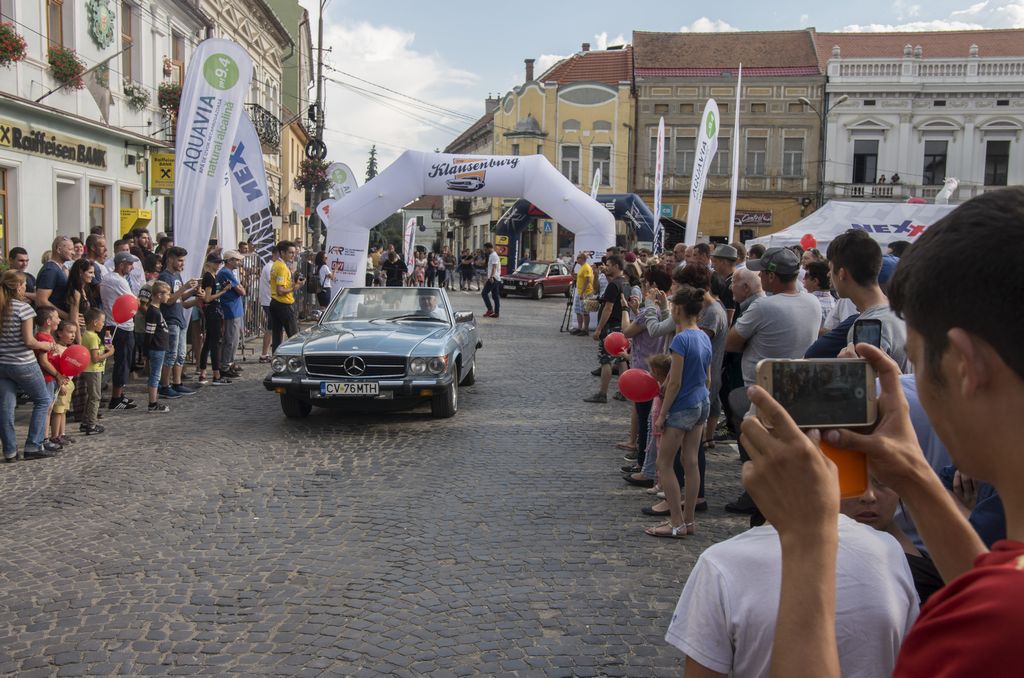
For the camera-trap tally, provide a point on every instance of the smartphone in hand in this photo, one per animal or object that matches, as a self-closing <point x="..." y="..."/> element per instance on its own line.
<point x="868" y="331"/>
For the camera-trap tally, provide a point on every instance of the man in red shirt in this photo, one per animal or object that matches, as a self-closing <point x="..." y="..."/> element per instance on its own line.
<point x="966" y="346"/>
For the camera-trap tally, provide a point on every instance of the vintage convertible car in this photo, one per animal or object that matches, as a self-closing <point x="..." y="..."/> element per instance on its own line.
<point x="376" y="344"/>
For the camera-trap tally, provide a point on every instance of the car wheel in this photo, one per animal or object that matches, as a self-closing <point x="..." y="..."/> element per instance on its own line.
<point x="568" y="293"/>
<point x="446" y="403"/>
<point x="538" y="292"/>
<point x="503" y="293"/>
<point x="294" y="408"/>
<point x="470" y="377"/>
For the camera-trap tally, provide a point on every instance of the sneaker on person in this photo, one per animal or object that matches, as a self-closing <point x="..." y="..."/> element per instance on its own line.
<point x="222" y="381"/>
<point x="121" y="403"/>
<point x="597" y="398"/>
<point x="488" y="314"/>
<point x="202" y="378"/>
<point x="232" y="373"/>
<point x="181" y="389"/>
<point x="91" y="429"/>
<point x="157" y="407"/>
<point x="52" y="445"/>
<point x="168" y="392"/>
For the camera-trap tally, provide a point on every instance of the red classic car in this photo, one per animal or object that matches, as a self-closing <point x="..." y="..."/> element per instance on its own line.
<point x="537" y="278"/>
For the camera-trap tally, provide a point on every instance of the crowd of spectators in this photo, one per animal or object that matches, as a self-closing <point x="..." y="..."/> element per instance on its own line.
<point x="71" y="300"/>
<point x="700" y="318"/>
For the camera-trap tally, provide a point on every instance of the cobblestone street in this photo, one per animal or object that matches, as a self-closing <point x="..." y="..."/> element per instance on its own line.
<point x="223" y="538"/>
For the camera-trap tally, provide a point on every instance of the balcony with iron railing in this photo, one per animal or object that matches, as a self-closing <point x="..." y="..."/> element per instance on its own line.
<point x="268" y="127"/>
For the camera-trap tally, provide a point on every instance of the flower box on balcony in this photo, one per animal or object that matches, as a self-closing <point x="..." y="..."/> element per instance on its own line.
<point x="66" y="68"/>
<point x="12" y="45"/>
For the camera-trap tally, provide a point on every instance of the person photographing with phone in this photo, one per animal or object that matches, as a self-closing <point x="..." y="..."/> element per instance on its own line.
<point x="213" y="314"/>
<point x="964" y="344"/>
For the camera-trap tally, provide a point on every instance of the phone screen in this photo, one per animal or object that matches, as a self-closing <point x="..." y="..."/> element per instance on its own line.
<point x="822" y="394"/>
<point x="868" y="331"/>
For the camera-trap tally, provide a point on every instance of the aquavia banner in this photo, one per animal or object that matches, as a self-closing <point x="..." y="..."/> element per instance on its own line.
<point x="343" y="181"/>
<point x="659" y="177"/>
<point x="707" y="144"/>
<point x="216" y="83"/>
<point x="249" y="193"/>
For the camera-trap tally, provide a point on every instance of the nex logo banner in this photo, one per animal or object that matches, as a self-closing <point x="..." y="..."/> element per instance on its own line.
<point x="908" y="228"/>
<point x="243" y="175"/>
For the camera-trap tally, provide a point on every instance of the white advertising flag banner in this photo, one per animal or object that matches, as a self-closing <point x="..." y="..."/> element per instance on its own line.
<point x="707" y="144"/>
<point x="249" y="192"/>
<point x="659" y="175"/>
<point x="347" y="257"/>
<point x="343" y="181"/>
<point x="410" y="243"/>
<point x="227" y="239"/>
<point x="216" y="83"/>
<point x="416" y="173"/>
<point x="596" y="184"/>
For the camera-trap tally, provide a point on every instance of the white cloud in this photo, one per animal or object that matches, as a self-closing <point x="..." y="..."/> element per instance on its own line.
<point x="980" y="15"/>
<point x="601" y="40"/>
<point x="389" y="56"/>
<point x="805" y="20"/>
<point x="706" y="25"/>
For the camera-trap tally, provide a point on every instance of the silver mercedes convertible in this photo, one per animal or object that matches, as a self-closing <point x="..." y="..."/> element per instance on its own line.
<point x="378" y="345"/>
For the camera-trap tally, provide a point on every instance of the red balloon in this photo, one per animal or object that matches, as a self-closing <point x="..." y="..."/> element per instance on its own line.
<point x="124" y="308"/>
<point x="638" y="385"/>
<point x="615" y="343"/>
<point x="73" y="361"/>
<point x="808" y="241"/>
<point x="917" y="201"/>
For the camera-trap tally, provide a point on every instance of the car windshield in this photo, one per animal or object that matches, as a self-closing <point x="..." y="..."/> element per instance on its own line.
<point x="387" y="303"/>
<point x="533" y="268"/>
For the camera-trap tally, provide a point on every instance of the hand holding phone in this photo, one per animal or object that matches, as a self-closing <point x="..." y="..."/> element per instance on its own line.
<point x="868" y="331"/>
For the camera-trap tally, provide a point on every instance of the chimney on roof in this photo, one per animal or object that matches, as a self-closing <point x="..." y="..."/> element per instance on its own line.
<point x="918" y="52"/>
<point x="490" y="103"/>
<point x="974" y="51"/>
<point x="529" y="69"/>
<point x="586" y="47"/>
<point x="908" y="50"/>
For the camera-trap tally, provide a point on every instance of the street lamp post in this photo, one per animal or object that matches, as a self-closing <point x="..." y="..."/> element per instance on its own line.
<point x="822" y="117"/>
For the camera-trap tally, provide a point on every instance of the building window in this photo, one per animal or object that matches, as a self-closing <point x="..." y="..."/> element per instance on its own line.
<point x="4" y="227"/>
<point x="997" y="162"/>
<point x="934" y="172"/>
<point x="757" y="156"/>
<point x="571" y="125"/>
<point x="177" y="59"/>
<point x="602" y="126"/>
<point x="865" y="161"/>
<point x="540" y="149"/>
<point x="601" y="159"/>
<point x="126" y="41"/>
<point x="723" y="107"/>
<point x="686" y="109"/>
<point x="795" y="107"/>
<point x="654" y="149"/>
<point x="1002" y="102"/>
<point x="127" y="199"/>
<point x="686" y="148"/>
<point x="55" y="22"/>
<point x="869" y="102"/>
<point x="571" y="163"/>
<point x="758" y="108"/>
<point x="97" y="206"/>
<point x="661" y="109"/>
<point x="515" y="149"/>
<point x="939" y="103"/>
<point x="721" y="166"/>
<point x="793" y="157"/>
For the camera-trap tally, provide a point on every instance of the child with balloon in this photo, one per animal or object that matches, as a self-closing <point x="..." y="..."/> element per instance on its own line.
<point x="47" y="322"/>
<point x="65" y="338"/>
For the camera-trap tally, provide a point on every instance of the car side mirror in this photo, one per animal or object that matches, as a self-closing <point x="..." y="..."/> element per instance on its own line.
<point x="463" y="316"/>
<point x="317" y="314"/>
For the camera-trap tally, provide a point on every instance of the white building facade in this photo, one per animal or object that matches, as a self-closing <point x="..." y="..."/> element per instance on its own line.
<point x="925" y="107"/>
<point x="79" y="159"/>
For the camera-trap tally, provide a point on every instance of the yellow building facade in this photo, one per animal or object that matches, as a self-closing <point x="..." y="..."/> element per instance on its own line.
<point x="578" y="115"/>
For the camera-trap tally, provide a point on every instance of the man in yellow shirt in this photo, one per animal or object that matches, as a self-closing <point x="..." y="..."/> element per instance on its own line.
<point x="584" y="287"/>
<point x="282" y="293"/>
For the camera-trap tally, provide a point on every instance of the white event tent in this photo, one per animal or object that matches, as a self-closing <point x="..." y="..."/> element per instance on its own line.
<point x="884" y="221"/>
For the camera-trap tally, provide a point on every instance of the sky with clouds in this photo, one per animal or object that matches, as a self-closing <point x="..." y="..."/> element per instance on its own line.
<point x="440" y="60"/>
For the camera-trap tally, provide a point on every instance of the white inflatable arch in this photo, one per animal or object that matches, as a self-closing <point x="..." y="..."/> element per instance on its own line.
<point x="416" y="173"/>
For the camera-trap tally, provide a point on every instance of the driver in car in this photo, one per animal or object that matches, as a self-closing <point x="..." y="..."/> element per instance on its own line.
<point x="429" y="306"/>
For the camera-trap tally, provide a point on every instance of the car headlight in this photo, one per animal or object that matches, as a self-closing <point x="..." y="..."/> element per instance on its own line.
<point x="418" y="365"/>
<point x="437" y="365"/>
<point x="278" y="364"/>
<point x="295" y="364"/>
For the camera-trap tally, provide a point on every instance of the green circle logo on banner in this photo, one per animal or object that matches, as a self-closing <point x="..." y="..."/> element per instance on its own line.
<point x="339" y="176"/>
<point x="220" y="71"/>
<point x="711" y="125"/>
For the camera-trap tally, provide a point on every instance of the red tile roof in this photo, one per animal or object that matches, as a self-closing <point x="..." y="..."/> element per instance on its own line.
<point x="610" y="66"/>
<point x="717" y="52"/>
<point x="426" y="202"/>
<point x="934" y="45"/>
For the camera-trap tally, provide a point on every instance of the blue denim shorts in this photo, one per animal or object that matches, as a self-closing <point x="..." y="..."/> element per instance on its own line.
<point x="156" y="363"/>
<point x="689" y="418"/>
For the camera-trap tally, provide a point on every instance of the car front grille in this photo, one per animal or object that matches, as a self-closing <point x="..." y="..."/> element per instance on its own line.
<point x="339" y="366"/>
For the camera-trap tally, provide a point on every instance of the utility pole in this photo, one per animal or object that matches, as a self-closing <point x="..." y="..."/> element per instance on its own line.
<point x="316" y="149"/>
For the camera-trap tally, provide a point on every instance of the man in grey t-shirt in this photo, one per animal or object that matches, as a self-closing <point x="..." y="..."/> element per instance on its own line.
<point x="854" y="261"/>
<point x="781" y="325"/>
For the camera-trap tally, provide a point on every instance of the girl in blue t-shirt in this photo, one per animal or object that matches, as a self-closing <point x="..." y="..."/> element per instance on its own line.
<point x="685" y="409"/>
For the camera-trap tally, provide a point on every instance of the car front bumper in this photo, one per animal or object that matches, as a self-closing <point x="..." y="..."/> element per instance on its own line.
<point x="308" y="388"/>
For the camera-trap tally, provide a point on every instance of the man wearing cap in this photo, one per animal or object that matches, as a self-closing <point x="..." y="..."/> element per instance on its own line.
<point x="232" y="305"/>
<point x="113" y="286"/>
<point x="781" y="325"/>
<point x="723" y="261"/>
